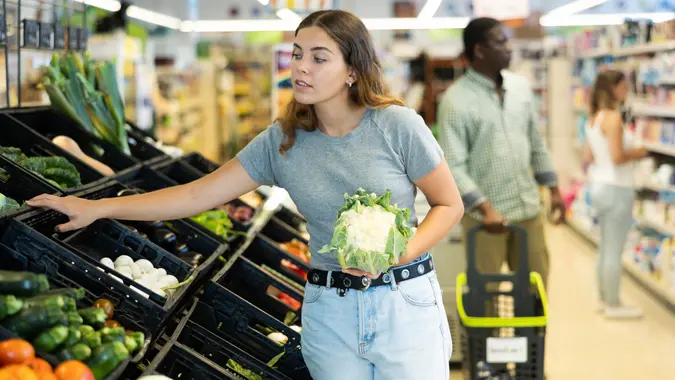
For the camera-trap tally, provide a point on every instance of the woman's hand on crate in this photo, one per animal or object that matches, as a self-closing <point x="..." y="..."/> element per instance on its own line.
<point x="81" y="212"/>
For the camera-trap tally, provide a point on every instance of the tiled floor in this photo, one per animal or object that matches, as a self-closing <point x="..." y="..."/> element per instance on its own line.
<point x="581" y="344"/>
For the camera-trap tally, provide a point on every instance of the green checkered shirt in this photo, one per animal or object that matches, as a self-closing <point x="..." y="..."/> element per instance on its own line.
<point x="495" y="151"/>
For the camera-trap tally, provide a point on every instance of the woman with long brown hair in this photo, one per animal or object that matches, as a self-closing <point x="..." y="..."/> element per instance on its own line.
<point x="341" y="132"/>
<point x="612" y="150"/>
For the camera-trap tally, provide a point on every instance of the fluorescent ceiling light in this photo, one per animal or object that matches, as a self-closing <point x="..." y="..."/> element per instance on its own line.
<point x="108" y="5"/>
<point x="288" y="15"/>
<point x="574" y="7"/>
<point x="412" y="23"/>
<point x="603" y="19"/>
<point x="429" y="9"/>
<point x="153" y="17"/>
<point x="264" y="2"/>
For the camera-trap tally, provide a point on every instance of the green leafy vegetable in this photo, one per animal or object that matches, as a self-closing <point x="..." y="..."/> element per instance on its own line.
<point x="370" y="233"/>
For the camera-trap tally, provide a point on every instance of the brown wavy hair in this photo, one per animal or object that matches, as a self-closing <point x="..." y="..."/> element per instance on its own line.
<point x="356" y="46"/>
<point x="602" y="96"/>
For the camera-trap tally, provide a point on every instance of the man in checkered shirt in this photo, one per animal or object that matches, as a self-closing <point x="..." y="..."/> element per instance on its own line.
<point x="488" y="133"/>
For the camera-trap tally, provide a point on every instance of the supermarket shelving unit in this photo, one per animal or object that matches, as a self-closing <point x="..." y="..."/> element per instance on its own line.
<point x="662" y="285"/>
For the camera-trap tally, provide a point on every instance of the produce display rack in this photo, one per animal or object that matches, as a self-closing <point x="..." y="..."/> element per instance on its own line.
<point x="230" y="288"/>
<point x="219" y="320"/>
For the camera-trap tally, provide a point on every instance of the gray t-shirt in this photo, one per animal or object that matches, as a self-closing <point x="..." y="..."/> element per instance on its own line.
<point x="390" y="148"/>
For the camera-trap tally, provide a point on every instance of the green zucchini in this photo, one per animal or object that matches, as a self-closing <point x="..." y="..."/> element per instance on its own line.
<point x="22" y="284"/>
<point x="9" y="305"/>
<point x="105" y="358"/>
<point x="50" y="339"/>
<point x="56" y="300"/>
<point x="72" y="318"/>
<point x="93" y="316"/>
<point x="78" y="351"/>
<point x="29" y="323"/>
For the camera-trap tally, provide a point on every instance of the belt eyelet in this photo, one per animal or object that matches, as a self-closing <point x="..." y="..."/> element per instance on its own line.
<point x="365" y="281"/>
<point x="386" y="278"/>
<point x="420" y="269"/>
<point x="405" y="274"/>
<point x="315" y="277"/>
<point x="347" y="282"/>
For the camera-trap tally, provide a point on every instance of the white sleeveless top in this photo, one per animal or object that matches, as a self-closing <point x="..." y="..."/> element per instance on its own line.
<point x="604" y="170"/>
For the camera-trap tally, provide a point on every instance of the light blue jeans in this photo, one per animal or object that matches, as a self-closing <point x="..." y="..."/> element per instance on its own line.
<point x="614" y="206"/>
<point x="390" y="332"/>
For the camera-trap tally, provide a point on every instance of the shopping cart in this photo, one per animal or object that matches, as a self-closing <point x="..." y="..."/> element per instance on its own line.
<point x="503" y="318"/>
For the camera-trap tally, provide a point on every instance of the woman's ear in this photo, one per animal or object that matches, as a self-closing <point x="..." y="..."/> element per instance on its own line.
<point x="352" y="76"/>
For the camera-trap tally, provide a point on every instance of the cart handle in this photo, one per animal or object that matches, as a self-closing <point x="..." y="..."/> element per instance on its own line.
<point x="497" y="322"/>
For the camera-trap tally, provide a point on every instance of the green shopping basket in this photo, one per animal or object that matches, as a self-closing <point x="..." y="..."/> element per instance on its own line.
<point x="503" y="317"/>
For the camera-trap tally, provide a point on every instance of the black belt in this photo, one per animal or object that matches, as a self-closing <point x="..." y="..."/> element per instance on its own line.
<point x="346" y="281"/>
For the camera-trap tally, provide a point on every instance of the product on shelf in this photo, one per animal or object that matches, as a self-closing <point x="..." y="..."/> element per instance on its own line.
<point x="56" y="170"/>
<point x="87" y="92"/>
<point x="69" y="145"/>
<point x="57" y="328"/>
<point x="144" y="273"/>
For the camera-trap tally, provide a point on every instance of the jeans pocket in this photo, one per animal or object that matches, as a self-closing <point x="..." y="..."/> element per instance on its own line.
<point x="312" y="293"/>
<point x="419" y="291"/>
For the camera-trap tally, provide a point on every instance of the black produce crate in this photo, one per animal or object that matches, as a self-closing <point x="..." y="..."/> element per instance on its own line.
<point x="181" y="173"/>
<point x="50" y="124"/>
<point x="107" y="238"/>
<point x="179" y="362"/>
<point x="200" y="162"/>
<point x="32" y="143"/>
<point x="66" y="271"/>
<point x="288" y="216"/>
<point x="141" y="144"/>
<point x="149" y="179"/>
<point x="174" y="236"/>
<point x="236" y="320"/>
<point x="264" y="252"/>
<point x="279" y="231"/>
<point x="20" y="184"/>
<point x="218" y="350"/>
<point x="251" y="282"/>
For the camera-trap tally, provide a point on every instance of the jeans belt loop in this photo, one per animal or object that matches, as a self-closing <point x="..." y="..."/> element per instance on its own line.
<point x="394" y="285"/>
<point x="329" y="276"/>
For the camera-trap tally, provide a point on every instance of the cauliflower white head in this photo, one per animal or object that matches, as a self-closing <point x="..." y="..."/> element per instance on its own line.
<point x="370" y="234"/>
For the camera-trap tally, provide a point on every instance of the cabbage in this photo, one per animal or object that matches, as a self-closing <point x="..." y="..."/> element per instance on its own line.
<point x="370" y="234"/>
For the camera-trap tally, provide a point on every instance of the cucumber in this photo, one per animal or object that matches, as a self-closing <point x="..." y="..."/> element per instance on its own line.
<point x="9" y="305"/>
<point x="22" y="284"/>
<point x="72" y="318"/>
<point x="92" y="340"/>
<point x="50" y="339"/>
<point x="29" y="323"/>
<point x="79" y="352"/>
<point x="105" y="358"/>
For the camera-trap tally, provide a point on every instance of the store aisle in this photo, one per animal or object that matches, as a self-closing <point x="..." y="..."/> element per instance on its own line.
<point x="581" y="344"/>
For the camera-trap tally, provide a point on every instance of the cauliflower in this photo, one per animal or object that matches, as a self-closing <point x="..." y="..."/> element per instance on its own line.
<point x="370" y="234"/>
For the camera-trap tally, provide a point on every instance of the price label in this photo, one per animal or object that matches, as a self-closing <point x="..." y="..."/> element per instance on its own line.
<point x="59" y="37"/>
<point x="46" y="35"/>
<point x="73" y="39"/>
<point x="3" y="31"/>
<point x="82" y="37"/>
<point x="506" y="350"/>
<point x="31" y="34"/>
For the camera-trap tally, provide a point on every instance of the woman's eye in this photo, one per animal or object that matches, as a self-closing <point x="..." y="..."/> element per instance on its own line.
<point x="295" y="56"/>
<point x="319" y="60"/>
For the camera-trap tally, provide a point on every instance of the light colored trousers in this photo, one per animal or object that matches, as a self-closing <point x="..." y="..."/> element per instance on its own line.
<point x="390" y="332"/>
<point x="614" y="207"/>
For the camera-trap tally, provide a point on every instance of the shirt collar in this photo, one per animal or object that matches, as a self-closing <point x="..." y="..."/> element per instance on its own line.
<point x="484" y="81"/>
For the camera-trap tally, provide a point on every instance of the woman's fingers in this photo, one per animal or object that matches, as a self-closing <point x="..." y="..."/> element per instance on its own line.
<point x="70" y="226"/>
<point x="360" y="273"/>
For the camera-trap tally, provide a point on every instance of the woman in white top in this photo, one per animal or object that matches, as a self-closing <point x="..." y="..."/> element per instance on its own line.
<point x="611" y="148"/>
